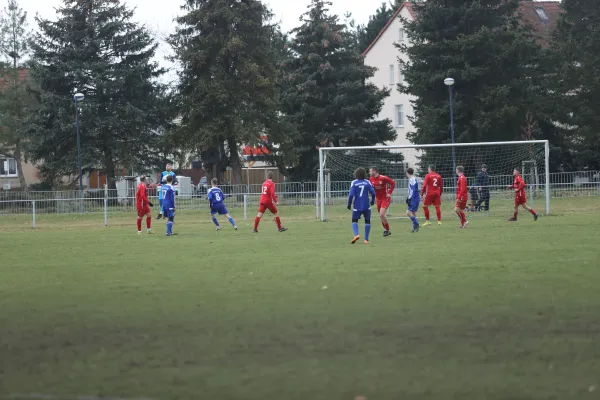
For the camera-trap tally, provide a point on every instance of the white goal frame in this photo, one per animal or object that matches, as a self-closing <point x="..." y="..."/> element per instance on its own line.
<point x="323" y="150"/>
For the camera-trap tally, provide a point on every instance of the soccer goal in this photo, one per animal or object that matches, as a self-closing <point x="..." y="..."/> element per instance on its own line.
<point x="489" y="194"/>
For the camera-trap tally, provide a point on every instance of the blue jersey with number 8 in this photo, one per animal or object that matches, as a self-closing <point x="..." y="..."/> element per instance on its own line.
<point x="360" y="189"/>
<point x="215" y="196"/>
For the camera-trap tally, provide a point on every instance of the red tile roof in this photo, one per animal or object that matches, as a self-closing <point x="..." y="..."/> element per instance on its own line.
<point x="23" y="73"/>
<point x="541" y="28"/>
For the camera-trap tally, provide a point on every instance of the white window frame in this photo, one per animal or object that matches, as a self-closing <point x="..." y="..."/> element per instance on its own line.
<point x="5" y="171"/>
<point x="399" y="115"/>
<point x="392" y="73"/>
<point x="541" y="13"/>
<point x="401" y="35"/>
<point x="400" y="74"/>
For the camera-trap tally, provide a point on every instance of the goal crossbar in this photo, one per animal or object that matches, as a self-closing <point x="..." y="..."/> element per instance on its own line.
<point x="323" y="150"/>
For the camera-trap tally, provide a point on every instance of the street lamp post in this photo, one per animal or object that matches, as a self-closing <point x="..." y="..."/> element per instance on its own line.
<point x="450" y="83"/>
<point x="78" y="97"/>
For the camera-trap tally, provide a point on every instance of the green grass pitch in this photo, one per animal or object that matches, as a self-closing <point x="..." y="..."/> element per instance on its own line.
<point x="496" y="311"/>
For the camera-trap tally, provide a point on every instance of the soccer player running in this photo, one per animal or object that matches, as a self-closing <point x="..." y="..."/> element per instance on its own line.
<point x="384" y="187"/>
<point x="360" y="189"/>
<point x="520" y="197"/>
<point x="143" y="206"/>
<point x="268" y="201"/>
<point x="163" y="180"/>
<point x="433" y="186"/>
<point x="168" y="194"/>
<point x="413" y="199"/>
<point x="215" y="200"/>
<point x="462" y="195"/>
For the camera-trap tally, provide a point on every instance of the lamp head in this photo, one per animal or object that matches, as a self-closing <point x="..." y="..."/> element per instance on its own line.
<point x="449" y="81"/>
<point x="78" y="96"/>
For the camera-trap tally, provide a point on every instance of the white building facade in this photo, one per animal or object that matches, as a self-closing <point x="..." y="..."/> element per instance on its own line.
<point x="384" y="55"/>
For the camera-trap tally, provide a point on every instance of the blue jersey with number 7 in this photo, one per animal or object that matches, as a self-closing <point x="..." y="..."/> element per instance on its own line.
<point x="360" y="189"/>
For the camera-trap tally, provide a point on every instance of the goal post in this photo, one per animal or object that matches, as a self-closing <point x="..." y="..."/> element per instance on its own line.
<point x="337" y="165"/>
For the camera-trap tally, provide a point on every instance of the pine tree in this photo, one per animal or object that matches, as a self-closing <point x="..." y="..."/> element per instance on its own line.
<point x="367" y="33"/>
<point x="494" y="60"/>
<point x="14" y="97"/>
<point x="227" y="89"/>
<point x="576" y="50"/>
<point x="94" y="48"/>
<point x="326" y="93"/>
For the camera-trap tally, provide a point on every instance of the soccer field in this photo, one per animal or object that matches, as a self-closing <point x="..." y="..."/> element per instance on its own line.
<point x="496" y="311"/>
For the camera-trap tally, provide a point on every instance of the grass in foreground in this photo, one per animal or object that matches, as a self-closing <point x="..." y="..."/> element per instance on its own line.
<point x="497" y="311"/>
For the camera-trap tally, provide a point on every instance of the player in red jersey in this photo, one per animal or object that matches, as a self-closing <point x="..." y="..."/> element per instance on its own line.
<point x="520" y="197"/>
<point x="268" y="201"/>
<point x="143" y="206"/>
<point x="384" y="187"/>
<point x="434" y="186"/>
<point x="462" y="195"/>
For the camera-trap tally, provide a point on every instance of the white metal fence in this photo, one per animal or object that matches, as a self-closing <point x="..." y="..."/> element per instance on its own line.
<point x="568" y="184"/>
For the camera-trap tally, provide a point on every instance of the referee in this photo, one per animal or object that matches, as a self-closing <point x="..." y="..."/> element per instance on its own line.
<point x="482" y="181"/>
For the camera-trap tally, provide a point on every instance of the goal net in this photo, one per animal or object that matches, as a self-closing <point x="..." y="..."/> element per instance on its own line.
<point x="488" y="195"/>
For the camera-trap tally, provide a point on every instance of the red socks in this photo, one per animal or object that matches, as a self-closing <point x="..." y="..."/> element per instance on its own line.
<point x="256" y="222"/>
<point x="515" y="215"/>
<point x="438" y="213"/>
<point x="532" y="212"/>
<point x="385" y="225"/>
<point x="462" y="217"/>
<point x="148" y="222"/>
<point x="426" y="211"/>
<point x="278" y="222"/>
<point x="139" y="224"/>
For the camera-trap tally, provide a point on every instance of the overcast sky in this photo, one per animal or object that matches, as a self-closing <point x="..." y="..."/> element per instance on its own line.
<point x="158" y="15"/>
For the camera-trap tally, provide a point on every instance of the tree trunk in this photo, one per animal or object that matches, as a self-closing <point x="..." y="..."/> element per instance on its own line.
<point x="234" y="158"/>
<point x="109" y="170"/>
<point x="19" y="159"/>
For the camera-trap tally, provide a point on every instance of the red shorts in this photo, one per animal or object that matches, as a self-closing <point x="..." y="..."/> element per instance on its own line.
<point x="520" y="200"/>
<point x="143" y="211"/>
<point x="267" y="206"/>
<point x="461" y="204"/>
<point x="435" y="199"/>
<point x="383" y="203"/>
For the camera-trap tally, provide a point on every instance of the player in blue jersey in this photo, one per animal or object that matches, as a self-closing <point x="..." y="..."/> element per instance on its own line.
<point x="168" y="194"/>
<point x="215" y="201"/>
<point x="360" y="189"/>
<point x="163" y="180"/>
<point x="413" y="199"/>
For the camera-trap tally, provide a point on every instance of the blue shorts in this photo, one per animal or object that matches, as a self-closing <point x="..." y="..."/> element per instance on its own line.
<point x="169" y="213"/>
<point x="358" y="214"/>
<point x="413" y="206"/>
<point x="219" y="208"/>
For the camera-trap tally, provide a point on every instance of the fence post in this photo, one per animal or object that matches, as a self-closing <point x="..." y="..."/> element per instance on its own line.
<point x="33" y="213"/>
<point x="245" y="207"/>
<point x="105" y="205"/>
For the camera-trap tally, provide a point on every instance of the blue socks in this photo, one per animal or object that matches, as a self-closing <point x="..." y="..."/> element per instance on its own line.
<point x="214" y="219"/>
<point x="415" y="221"/>
<point x="231" y="221"/>
<point x="169" y="228"/>
<point x="355" y="228"/>
<point x="367" y="231"/>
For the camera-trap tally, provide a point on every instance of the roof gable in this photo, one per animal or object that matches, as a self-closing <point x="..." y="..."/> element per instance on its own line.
<point x="528" y="10"/>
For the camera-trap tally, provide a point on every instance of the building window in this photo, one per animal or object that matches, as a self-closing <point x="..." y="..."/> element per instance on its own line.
<point x="400" y="74"/>
<point x="392" y="81"/>
<point x="401" y="35"/>
<point x="400" y="116"/>
<point x="8" y="168"/>
<point x="541" y="13"/>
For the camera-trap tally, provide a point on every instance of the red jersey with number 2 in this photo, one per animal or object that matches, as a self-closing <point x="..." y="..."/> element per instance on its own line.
<point x="383" y="186"/>
<point x="267" y="194"/>
<point x="462" y="192"/>
<point x="433" y="184"/>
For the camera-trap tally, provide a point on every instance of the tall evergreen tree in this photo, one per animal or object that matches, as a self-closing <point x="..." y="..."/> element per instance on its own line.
<point x="367" y="33"/>
<point x="227" y="88"/>
<point x="326" y="93"/>
<point x="576" y="50"/>
<point x="95" y="48"/>
<point x="494" y="60"/>
<point x="15" y="100"/>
